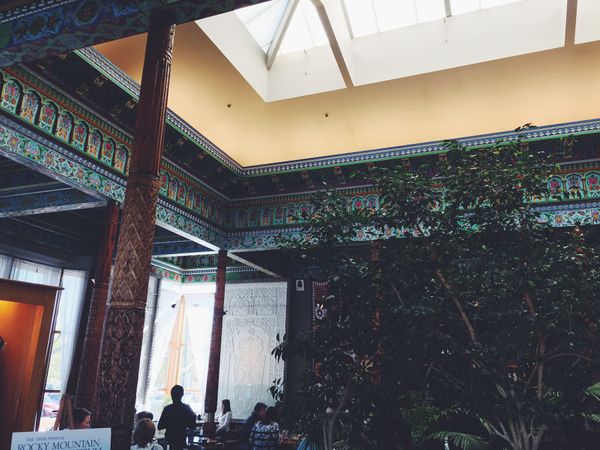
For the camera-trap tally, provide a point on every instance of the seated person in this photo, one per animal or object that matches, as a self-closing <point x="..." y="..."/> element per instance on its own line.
<point x="81" y="419"/>
<point x="257" y="414"/>
<point x="176" y="419"/>
<point x="265" y="433"/>
<point x="224" y="419"/>
<point x="143" y="415"/>
<point x="143" y="436"/>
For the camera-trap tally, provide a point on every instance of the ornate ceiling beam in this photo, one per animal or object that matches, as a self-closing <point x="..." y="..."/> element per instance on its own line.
<point x="32" y="30"/>
<point x="284" y="23"/>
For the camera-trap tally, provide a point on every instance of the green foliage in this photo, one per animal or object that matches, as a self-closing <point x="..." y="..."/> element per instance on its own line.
<point x="453" y="288"/>
<point x="461" y="440"/>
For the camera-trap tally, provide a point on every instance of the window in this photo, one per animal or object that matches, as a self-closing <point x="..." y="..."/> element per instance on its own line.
<point x="179" y="348"/>
<point x="64" y="335"/>
<point x="304" y="31"/>
<point x="367" y="17"/>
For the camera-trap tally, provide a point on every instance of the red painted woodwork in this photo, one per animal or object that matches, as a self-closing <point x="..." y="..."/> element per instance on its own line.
<point x="116" y="380"/>
<point x="91" y="348"/>
<point x="214" y="359"/>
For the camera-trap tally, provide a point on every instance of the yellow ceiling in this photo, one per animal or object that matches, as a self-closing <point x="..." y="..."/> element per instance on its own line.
<point x="550" y="87"/>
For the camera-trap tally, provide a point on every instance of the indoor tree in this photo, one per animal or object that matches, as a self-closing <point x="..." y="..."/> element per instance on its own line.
<point x="456" y="292"/>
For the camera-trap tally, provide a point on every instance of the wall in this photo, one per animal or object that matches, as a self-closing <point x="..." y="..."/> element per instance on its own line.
<point x="255" y="314"/>
<point x="549" y="87"/>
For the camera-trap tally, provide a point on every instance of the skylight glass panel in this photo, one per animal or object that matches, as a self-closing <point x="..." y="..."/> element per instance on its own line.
<point x="429" y="10"/>
<point x="261" y="20"/>
<point x="361" y="14"/>
<point x="494" y="3"/>
<point x="305" y="30"/>
<point x="464" y="6"/>
<point x="392" y="14"/>
<point x="374" y="16"/>
<point x="467" y="6"/>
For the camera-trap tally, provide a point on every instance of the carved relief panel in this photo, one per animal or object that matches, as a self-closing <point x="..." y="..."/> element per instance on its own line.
<point x="256" y="313"/>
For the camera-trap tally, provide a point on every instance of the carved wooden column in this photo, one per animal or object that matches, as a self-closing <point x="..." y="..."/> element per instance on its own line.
<point x="86" y="383"/>
<point x="214" y="359"/>
<point x="124" y="322"/>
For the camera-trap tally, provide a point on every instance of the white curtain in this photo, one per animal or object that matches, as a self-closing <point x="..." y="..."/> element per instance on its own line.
<point x="166" y="313"/>
<point x="143" y="371"/>
<point x="198" y="317"/>
<point x="5" y="263"/>
<point x="74" y="283"/>
<point x="35" y="273"/>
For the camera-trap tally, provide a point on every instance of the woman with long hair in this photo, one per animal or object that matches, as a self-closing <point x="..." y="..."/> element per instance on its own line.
<point x="265" y="434"/>
<point x="224" y="418"/>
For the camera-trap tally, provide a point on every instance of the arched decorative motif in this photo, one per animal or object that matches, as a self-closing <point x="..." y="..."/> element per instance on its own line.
<point x="304" y="212"/>
<point x="241" y="218"/>
<point x="575" y="186"/>
<point x="164" y="182"/>
<point x="265" y="216"/>
<point x="198" y="203"/>
<point x="11" y="95"/>
<point x="80" y="134"/>
<point x="358" y="203"/>
<point x="94" y="144"/>
<point x="291" y="214"/>
<point x="108" y="151"/>
<point x="48" y="115"/>
<point x="64" y="126"/>
<point x="253" y="217"/>
<point x="592" y="184"/>
<point x="181" y="192"/>
<point x="173" y="188"/>
<point x="121" y="158"/>
<point x="206" y="206"/>
<point x="555" y="188"/>
<point x="30" y="106"/>
<point x="189" y="199"/>
<point x="372" y="202"/>
<point x="279" y="216"/>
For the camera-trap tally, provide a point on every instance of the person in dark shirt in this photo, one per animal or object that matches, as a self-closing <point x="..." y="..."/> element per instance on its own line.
<point x="259" y="412"/>
<point x="176" y="419"/>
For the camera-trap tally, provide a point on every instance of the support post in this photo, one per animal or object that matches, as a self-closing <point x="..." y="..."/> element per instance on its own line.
<point x="116" y="381"/>
<point x="214" y="359"/>
<point x="86" y="383"/>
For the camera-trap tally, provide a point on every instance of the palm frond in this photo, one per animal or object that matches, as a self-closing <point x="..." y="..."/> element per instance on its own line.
<point x="594" y="390"/>
<point x="464" y="441"/>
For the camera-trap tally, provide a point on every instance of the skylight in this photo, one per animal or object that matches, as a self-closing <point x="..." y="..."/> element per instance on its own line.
<point x="367" y="17"/>
<point x="304" y="31"/>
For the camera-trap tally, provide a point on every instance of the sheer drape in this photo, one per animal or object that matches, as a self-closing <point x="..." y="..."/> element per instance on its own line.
<point x="74" y="283"/>
<point x="198" y="317"/>
<point x="166" y="312"/>
<point x="35" y="273"/>
<point x="148" y="324"/>
<point x="5" y="264"/>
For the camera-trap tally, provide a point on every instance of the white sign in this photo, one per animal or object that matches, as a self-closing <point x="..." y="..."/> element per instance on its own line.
<point x="92" y="439"/>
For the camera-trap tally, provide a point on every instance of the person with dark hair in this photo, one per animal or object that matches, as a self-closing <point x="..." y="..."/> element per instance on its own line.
<point x="143" y="415"/>
<point x="176" y="419"/>
<point x="257" y="414"/>
<point x="143" y="436"/>
<point x="224" y="419"/>
<point x="81" y="419"/>
<point x="265" y="433"/>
